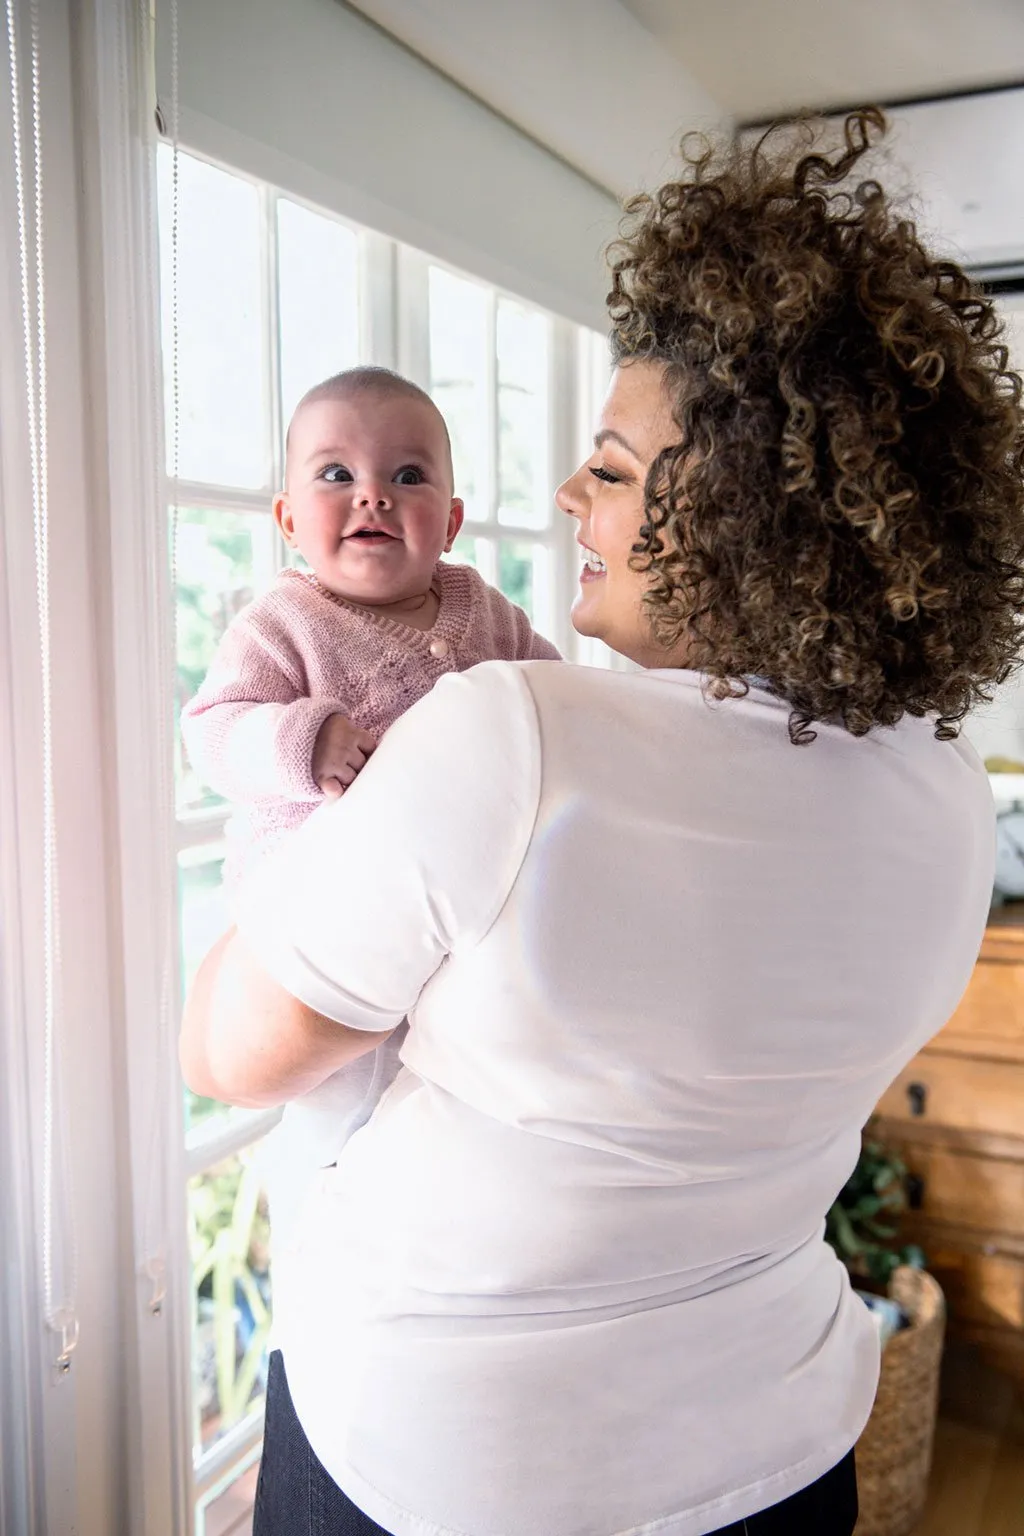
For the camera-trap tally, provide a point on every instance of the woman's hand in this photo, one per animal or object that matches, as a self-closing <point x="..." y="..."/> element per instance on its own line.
<point x="246" y="1041"/>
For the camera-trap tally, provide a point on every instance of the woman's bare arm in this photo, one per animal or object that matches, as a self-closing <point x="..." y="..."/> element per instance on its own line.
<point x="245" y="1040"/>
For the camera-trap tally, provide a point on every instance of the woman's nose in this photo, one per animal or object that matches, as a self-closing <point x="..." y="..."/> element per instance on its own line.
<point x="570" y="495"/>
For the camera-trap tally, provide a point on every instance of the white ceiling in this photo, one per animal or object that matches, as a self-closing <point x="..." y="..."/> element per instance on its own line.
<point x="761" y="57"/>
<point x="583" y="77"/>
<point x="611" y="85"/>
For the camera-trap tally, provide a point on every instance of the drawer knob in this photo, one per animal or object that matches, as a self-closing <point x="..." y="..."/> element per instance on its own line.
<point x="915" y="1191"/>
<point x="917" y="1098"/>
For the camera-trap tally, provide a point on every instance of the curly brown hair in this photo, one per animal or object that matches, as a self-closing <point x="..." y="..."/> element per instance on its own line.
<point x="844" y="513"/>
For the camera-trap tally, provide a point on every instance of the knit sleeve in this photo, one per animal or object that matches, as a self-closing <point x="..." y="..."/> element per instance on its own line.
<point x="250" y="730"/>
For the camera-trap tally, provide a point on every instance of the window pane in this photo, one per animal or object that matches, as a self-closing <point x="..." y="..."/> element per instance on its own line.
<point x="223" y="416"/>
<point x="228" y="1510"/>
<point x="202" y="918"/>
<point x="223" y="560"/>
<point x="230" y="1253"/>
<point x="524" y="492"/>
<point x="204" y="913"/>
<point x="525" y="577"/>
<point x="459" y="357"/>
<point x="515" y="574"/>
<point x="318" y="275"/>
<point x="479" y="553"/>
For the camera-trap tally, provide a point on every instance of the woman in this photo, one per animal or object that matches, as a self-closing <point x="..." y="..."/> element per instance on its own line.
<point x="663" y="938"/>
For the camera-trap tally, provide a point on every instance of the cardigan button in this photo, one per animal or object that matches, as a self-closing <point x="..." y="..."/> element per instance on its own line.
<point x="439" y="648"/>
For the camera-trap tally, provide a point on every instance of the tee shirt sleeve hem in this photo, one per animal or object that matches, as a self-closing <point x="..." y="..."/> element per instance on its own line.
<point x="297" y="974"/>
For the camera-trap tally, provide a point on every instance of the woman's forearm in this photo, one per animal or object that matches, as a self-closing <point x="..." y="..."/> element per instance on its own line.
<point x="245" y="1040"/>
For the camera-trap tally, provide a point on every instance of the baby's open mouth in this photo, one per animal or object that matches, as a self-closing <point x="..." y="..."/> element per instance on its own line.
<point x="378" y="535"/>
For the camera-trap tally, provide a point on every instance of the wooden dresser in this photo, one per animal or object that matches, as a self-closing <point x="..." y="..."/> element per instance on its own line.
<point x="956" y="1115"/>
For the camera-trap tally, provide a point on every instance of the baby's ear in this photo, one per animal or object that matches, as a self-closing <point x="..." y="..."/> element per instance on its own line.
<point x="455" y="521"/>
<point x="283" y="517"/>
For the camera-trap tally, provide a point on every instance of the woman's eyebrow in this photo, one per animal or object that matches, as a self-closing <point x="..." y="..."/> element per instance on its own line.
<point x="607" y="434"/>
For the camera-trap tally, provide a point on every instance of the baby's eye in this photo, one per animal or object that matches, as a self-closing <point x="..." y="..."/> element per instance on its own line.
<point x="335" y="474"/>
<point x="410" y="474"/>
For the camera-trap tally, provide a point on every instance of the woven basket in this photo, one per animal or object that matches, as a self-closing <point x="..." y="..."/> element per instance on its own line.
<point x="894" y="1454"/>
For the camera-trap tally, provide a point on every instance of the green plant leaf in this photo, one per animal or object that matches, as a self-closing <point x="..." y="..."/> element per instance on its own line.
<point x="846" y="1233"/>
<point x="880" y="1229"/>
<point x="881" y="1264"/>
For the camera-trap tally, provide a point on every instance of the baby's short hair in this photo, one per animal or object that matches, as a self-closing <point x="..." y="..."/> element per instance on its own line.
<point x="364" y="380"/>
<point x="368" y="379"/>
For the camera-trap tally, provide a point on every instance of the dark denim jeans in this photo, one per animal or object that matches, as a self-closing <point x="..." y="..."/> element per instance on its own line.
<point x="295" y="1496"/>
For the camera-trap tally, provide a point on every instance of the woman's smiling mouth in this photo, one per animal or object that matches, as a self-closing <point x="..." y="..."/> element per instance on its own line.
<point x="593" y="565"/>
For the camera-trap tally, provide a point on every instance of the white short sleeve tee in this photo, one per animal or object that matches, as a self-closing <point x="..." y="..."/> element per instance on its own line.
<point x="659" y="965"/>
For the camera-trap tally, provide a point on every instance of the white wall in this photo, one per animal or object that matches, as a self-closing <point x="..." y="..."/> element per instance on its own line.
<point x="583" y="76"/>
<point x="312" y="97"/>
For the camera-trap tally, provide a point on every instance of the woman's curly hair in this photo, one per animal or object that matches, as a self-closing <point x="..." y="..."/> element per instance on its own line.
<point x="844" y="513"/>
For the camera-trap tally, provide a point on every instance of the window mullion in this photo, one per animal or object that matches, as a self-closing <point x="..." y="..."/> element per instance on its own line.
<point x="201" y="829"/>
<point x="274" y="551"/>
<point x="272" y="321"/>
<point x="231" y="1133"/>
<point x="219" y="498"/>
<point x="564" y="391"/>
<point x="412" y="293"/>
<point x="378" y="300"/>
<point x="520" y="532"/>
<point x="491" y="384"/>
<point x="229" y="1457"/>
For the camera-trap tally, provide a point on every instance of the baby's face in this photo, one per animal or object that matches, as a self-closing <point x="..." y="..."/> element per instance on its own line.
<point x="369" y="500"/>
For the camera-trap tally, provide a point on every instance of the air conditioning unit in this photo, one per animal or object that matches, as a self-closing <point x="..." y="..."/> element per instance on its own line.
<point x="959" y="161"/>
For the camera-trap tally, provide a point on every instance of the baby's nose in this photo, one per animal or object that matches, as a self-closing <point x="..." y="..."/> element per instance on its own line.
<point x="374" y="494"/>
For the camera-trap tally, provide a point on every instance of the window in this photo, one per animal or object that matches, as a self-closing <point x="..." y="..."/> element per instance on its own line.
<point x="272" y="297"/>
<point x="490" y="367"/>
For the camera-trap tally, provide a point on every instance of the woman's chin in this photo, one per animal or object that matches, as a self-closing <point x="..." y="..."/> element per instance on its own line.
<point x="585" y="616"/>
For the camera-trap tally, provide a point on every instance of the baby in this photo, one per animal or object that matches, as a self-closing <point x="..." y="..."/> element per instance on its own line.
<point x="311" y="674"/>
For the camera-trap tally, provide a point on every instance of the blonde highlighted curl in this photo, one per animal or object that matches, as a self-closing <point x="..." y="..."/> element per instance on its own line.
<point x="844" y="513"/>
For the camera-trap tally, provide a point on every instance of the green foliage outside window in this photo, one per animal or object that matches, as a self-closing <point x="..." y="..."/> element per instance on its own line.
<point x="230" y="1266"/>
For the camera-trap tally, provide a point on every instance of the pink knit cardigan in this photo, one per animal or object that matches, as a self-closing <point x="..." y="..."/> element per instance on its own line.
<point x="297" y="655"/>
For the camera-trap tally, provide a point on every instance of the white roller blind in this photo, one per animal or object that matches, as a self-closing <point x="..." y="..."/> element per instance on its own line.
<point x="312" y="97"/>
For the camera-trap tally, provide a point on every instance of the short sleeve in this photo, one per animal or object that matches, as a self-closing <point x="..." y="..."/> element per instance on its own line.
<point x="360" y="906"/>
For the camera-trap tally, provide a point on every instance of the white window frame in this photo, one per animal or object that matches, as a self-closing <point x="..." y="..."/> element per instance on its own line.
<point x="394" y="332"/>
<point x="109" y="1447"/>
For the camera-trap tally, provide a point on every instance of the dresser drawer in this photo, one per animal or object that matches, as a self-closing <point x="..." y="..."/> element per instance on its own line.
<point x="973" y="1096"/>
<point x="982" y="1194"/>
<point x="981" y="1288"/>
<point x="1002" y="1348"/>
<point x="990" y="1018"/>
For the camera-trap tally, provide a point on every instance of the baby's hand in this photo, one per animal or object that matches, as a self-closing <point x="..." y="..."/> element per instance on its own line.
<point x="339" y="752"/>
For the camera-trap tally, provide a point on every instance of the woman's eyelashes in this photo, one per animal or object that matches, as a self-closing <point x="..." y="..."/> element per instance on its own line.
<point x="608" y="476"/>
